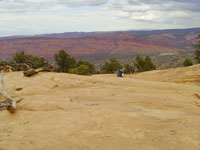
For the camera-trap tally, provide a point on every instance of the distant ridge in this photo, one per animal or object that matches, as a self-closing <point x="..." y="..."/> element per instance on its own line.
<point x="85" y="34"/>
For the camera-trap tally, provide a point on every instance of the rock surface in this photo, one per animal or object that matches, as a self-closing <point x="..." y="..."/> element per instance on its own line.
<point x="147" y="111"/>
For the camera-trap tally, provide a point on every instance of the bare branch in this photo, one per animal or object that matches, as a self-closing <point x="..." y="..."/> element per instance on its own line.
<point x="11" y="106"/>
<point x="2" y="82"/>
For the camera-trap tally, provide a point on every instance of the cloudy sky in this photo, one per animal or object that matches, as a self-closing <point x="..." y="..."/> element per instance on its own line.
<point x="25" y="17"/>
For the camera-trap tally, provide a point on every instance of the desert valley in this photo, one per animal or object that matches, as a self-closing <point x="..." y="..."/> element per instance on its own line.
<point x="102" y="45"/>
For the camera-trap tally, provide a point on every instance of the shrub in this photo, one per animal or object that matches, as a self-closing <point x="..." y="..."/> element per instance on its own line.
<point x="139" y="63"/>
<point x="111" y="66"/>
<point x="89" y="65"/>
<point x="187" y="62"/>
<point x="197" y="52"/>
<point x="83" y="70"/>
<point x="142" y="64"/>
<point x="3" y="63"/>
<point x="80" y="70"/>
<point x="22" y="62"/>
<point x="148" y="64"/>
<point x="64" y="61"/>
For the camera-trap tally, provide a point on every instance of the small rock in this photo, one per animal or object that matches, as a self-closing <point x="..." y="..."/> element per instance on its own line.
<point x="19" y="89"/>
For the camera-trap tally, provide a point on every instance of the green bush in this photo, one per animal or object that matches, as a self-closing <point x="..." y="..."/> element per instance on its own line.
<point x="3" y="63"/>
<point x="67" y="63"/>
<point x="27" y="61"/>
<point x="197" y="52"/>
<point x="89" y="65"/>
<point x="73" y="71"/>
<point x="64" y="61"/>
<point x="197" y="55"/>
<point x="187" y="62"/>
<point x="111" y="66"/>
<point x="83" y="70"/>
<point x="142" y="64"/>
<point x="20" y="57"/>
<point x="149" y="64"/>
<point x="139" y="63"/>
<point x="80" y="70"/>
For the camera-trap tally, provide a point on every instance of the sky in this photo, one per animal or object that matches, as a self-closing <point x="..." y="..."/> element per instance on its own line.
<point x="30" y="17"/>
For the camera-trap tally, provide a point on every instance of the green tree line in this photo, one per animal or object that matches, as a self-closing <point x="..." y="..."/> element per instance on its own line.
<point x="68" y="64"/>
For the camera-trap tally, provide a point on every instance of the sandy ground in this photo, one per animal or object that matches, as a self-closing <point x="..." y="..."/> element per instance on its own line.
<point x="157" y="110"/>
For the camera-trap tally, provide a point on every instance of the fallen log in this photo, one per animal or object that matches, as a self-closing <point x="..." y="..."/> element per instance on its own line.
<point x="32" y="72"/>
<point x="10" y="102"/>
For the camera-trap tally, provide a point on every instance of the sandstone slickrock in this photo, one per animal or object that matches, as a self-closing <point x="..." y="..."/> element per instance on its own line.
<point x="147" y="111"/>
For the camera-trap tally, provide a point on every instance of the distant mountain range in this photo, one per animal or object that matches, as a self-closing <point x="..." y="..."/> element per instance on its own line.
<point x="97" y="45"/>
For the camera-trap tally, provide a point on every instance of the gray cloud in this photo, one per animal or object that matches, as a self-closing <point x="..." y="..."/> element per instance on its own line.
<point x="36" y="5"/>
<point x="80" y="3"/>
<point x="47" y="16"/>
<point x="177" y="12"/>
<point x="168" y="5"/>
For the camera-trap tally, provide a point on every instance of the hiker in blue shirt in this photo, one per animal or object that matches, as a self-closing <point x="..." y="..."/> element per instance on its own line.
<point x="120" y="73"/>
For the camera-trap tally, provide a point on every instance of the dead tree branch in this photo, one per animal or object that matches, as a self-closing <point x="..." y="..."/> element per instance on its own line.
<point x="11" y="103"/>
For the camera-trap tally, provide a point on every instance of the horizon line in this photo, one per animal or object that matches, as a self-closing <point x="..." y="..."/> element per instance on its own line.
<point x="139" y="30"/>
